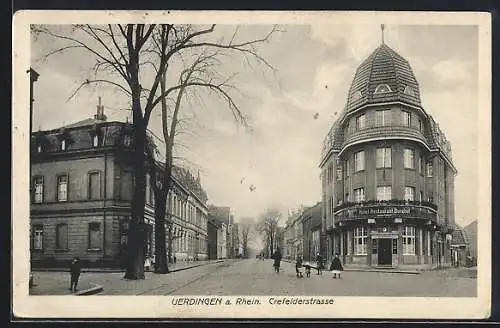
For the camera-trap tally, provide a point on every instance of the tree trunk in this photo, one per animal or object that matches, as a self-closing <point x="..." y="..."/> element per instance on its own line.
<point x="161" y="265"/>
<point x="137" y="230"/>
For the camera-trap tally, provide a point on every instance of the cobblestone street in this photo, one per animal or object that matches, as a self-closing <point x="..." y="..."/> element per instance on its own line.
<point x="255" y="277"/>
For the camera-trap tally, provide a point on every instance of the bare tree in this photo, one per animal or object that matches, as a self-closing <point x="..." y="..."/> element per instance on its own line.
<point x="246" y="228"/>
<point x="135" y="60"/>
<point x="268" y="226"/>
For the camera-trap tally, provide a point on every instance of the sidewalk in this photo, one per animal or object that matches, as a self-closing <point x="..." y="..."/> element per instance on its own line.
<point x="366" y="269"/>
<point x="56" y="282"/>
<point x="179" y="266"/>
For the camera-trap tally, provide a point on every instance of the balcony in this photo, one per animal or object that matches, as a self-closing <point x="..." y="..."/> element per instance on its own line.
<point x="384" y="132"/>
<point x="393" y="209"/>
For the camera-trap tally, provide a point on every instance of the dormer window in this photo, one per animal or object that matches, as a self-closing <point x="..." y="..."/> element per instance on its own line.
<point x="356" y="96"/>
<point x="39" y="148"/>
<point x="64" y="139"/>
<point x="127" y="140"/>
<point x="63" y="144"/>
<point x="95" y="140"/>
<point x="409" y="91"/>
<point x="382" y="88"/>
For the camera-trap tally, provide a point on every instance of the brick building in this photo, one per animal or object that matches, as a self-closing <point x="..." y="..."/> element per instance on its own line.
<point x="387" y="172"/>
<point x="81" y="192"/>
<point x="212" y="236"/>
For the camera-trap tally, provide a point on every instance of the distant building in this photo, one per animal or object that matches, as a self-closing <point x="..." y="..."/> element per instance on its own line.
<point x="214" y="226"/>
<point x="387" y="172"/>
<point x="236" y="244"/>
<point x="471" y="235"/>
<point x="81" y="192"/>
<point x="311" y="227"/>
<point x="223" y="215"/>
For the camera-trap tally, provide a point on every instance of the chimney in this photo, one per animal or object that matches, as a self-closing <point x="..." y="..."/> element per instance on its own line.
<point x="100" y="111"/>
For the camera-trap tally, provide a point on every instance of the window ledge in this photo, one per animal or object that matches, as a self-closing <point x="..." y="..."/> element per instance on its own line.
<point x="61" y="250"/>
<point x="94" y="250"/>
<point x="37" y="250"/>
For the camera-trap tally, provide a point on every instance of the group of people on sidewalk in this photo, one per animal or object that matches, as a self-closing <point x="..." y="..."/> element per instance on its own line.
<point x="336" y="267"/>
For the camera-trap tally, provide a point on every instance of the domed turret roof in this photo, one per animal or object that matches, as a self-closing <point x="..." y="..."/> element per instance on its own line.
<point x="384" y="76"/>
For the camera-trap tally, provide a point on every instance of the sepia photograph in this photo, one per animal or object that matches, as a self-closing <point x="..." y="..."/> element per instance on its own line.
<point x="275" y="164"/>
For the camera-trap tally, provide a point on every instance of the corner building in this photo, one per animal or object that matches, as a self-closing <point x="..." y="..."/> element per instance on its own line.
<point x="387" y="173"/>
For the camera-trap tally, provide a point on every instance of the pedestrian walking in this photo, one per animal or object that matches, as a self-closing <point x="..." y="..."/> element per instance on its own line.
<point x="319" y="263"/>
<point x="74" y="269"/>
<point x="298" y="266"/>
<point x="277" y="260"/>
<point x="336" y="267"/>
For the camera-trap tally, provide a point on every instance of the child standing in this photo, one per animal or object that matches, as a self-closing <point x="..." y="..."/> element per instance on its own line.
<point x="336" y="266"/>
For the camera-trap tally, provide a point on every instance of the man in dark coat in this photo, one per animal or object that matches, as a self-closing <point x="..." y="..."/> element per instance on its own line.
<point x="298" y="266"/>
<point x="336" y="266"/>
<point x="74" y="269"/>
<point x="319" y="265"/>
<point x="277" y="260"/>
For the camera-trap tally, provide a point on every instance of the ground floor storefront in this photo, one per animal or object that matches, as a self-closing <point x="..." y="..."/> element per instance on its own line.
<point x="389" y="245"/>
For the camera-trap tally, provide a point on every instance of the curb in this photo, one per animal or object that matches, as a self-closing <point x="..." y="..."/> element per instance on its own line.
<point x="194" y="266"/>
<point x="90" y="291"/>
<point x="118" y="270"/>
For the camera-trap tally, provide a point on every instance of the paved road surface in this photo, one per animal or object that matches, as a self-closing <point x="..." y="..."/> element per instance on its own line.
<point x="254" y="277"/>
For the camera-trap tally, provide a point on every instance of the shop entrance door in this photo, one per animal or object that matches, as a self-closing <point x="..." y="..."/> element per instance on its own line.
<point x="385" y="251"/>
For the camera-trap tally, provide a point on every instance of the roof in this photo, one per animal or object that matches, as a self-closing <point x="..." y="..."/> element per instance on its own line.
<point x="383" y="66"/>
<point x="85" y="122"/>
<point x="220" y="213"/>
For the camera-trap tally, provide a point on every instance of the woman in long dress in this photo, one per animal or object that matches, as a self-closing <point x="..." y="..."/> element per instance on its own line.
<point x="336" y="267"/>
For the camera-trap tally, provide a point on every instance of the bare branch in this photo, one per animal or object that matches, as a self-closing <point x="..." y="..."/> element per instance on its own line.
<point x="87" y="82"/>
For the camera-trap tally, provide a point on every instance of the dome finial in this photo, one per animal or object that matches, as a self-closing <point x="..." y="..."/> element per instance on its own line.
<point x="382" y="26"/>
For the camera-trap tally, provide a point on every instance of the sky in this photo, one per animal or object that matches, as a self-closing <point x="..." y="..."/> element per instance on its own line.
<point x="314" y="67"/>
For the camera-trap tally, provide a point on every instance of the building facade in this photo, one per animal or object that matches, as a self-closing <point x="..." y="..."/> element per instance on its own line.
<point x="213" y="234"/>
<point x="311" y="227"/>
<point x="81" y="192"/>
<point x="387" y="172"/>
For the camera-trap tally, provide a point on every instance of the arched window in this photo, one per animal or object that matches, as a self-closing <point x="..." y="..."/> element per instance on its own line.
<point x="409" y="91"/>
<point x="356" y="95"/>
<point x="382" y="88"/>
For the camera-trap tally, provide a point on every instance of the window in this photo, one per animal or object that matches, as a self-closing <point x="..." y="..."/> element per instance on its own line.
<point x="127" y="185"/>
<point x="38" y="190"/>
<point x="382" y="117"/>
<point x="421" y="164"/>
<point x="95" y="140"/>
<point x="394" y="246"/>
<point x="384" y="193"/>
<point x="347" y="168"/>
<point x="429" y="169"/>
<point x="62" y="236"/>
<point x="38" y="237"/>
<point x="406" y="118"/>
<point x="420" y="125"/>
<point x="409" y="241"/>
<point x="382" y="88"/>
<point x="360" y="237"/>
<point x="62" y="188"/>
<point x="39" y="148"/>
<point x="359" y="194"/>
<point x="409" y="158"/>
<point x="94" y="186"/>
<point x="360" y="122"/>
<point x="339" y="171"/>
<point x="63" y="144"/>
<point x="410" y="193"/>
<point x="409" y="91"/>
<point x="421" y="196"/>
<point x="374" y="246"/>
<point x="359" y="161"/>
<point x="384" y="157"/>
<point x="127" y="140"/>
<point x="95" y="235"/>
